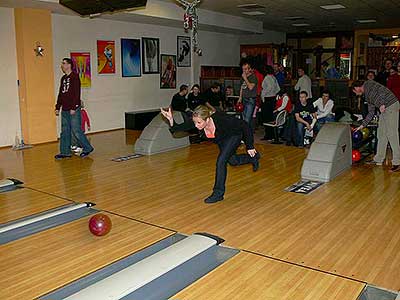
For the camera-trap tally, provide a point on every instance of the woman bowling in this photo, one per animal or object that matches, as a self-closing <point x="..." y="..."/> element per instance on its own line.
<point x="227" y="132"/>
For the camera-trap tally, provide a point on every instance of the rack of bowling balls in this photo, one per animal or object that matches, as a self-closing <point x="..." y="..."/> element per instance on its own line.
<point x="363" y="143"/>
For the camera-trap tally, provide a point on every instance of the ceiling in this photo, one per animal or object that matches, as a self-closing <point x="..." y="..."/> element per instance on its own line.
<point x="386" y="13"/>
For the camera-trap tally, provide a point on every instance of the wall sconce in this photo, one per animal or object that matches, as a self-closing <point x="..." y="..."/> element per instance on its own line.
<point x="39" y="50"/>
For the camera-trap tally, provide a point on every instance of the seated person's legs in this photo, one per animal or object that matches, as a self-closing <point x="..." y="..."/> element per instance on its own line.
<point x="300" y="128"/>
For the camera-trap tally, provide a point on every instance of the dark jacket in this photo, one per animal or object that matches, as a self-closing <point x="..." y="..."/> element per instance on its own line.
<point x="225" y="127"/>
<point x="69" y="95"/>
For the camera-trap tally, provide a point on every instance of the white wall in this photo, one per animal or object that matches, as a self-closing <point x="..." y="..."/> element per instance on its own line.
<point x="112" y="95"/>
<point x="9" y="103"/>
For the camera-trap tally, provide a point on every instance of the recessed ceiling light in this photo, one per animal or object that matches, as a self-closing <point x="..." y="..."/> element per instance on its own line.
<point x="250" y="6"/>
<point x="294" y="18"/>
<point x="253" y="13"/>
<point x="332" y="6"/>
<point x="366" y="21"/>
<point x="300" y="24"/>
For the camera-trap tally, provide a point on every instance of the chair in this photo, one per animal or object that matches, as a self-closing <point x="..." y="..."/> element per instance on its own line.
<point x="279" y="121"/>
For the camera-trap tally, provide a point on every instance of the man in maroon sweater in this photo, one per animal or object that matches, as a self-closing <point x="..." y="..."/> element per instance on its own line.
<point x="69" y="100"/>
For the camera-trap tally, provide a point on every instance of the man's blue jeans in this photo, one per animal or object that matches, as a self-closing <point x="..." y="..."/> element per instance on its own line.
<point x="300" y="129"/>
<point x="249" y="105"/>
<point x="71" y="124"/>
<point x="322" y="121"/>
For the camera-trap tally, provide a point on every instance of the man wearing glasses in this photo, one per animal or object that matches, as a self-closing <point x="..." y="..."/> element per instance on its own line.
<point x="69" y="101"/>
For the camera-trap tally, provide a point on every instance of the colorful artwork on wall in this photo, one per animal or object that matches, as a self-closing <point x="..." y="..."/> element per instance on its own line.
<point x="81" y="66"/>
<point x="130" y="58"/>
<point x="106" y="57"/>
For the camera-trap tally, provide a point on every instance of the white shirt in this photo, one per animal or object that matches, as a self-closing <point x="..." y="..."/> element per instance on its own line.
<point x="323" y="111"/>
<point x="304" y="84"/>
<point x="270" y="87"/>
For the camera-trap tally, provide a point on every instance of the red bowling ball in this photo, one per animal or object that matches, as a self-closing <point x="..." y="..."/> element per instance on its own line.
<point x="239" y="107"/>
<point x="356" y="155"/>
<point x="100" y="224"/>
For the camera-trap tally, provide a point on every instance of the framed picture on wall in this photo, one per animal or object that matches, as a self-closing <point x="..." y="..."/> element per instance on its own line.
<point x="151" y="55"/>
<point x="168" y="71"/>
<point x="106" y="57"/>
<point x="130" y="58"/>
<point x="184" y="51"/>
<point x="81" y="66"/>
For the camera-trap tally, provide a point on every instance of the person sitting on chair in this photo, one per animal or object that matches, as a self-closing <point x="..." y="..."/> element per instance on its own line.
<point x="227" y="132"/>
<point x="324" y="106"/>
<point x="306" y="117"/>
<point x="179" y="102"/>
<point x="283" y="102"/>
<point x="214" y="98"/>
<point x="195" y="98"/>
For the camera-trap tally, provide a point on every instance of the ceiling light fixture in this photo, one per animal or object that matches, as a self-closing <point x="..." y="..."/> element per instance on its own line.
<point x="300" y="24"/>
<point x="294" y="18"/>
<point x="332" y="6"/>
<point x="253" y="13"/>
<point x="365" y="21"/>
<point x="250" y="6"/>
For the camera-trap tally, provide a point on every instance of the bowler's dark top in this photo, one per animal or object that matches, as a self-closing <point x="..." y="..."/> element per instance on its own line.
<point x="225" y="126"/>
<point x="69" y="95"/>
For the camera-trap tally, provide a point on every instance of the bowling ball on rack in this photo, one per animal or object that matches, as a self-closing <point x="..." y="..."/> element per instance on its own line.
<point x="239" y="107"/>
<point x="365" y="133"/>
<point x="355" y="155"/>
<point x="357" y="137"/>
<point x="100" y="224"/>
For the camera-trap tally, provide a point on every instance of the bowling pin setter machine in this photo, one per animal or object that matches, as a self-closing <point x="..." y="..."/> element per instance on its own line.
<point x="330" y="154"/>
<point x="9" y="184"/>
<point x="157" y="272"/>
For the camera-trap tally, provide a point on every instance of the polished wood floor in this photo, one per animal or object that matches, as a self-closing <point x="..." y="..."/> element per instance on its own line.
<point x="268" y="280"/>
<point x="348" y="227"/>
<point x="38" y="264"/>
<point x="25" y="202"/>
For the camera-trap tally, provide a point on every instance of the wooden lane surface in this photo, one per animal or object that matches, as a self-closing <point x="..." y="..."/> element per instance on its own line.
<point x="248" y="276"/>
<point x="347" y="227"/>
<point x="38" y="264"/>
<point x="25" y="202"/>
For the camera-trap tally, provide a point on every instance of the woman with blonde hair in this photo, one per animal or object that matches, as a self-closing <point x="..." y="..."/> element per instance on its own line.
<point x="227" y="132"/>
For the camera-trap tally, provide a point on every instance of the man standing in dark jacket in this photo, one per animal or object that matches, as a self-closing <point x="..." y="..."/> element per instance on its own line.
<point x="69" y="100"/>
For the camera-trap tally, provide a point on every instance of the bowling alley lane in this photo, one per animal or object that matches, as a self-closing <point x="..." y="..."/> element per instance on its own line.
<point x="250" y="276"/>
<point x="25" y="202"/>
<point x="40" y="263"/>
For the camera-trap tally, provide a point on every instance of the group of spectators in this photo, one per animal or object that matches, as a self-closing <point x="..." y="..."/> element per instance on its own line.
<point x="263" y="94"/>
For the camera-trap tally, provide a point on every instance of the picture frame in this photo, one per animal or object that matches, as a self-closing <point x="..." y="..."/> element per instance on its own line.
<point x="168" y="71"/>
<point x="130" y="58"/>
<point x="150" y="55"/>
<point x="105" y="57"/>
<point x="81" y="65"/>
<point x="184" y="51"/>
